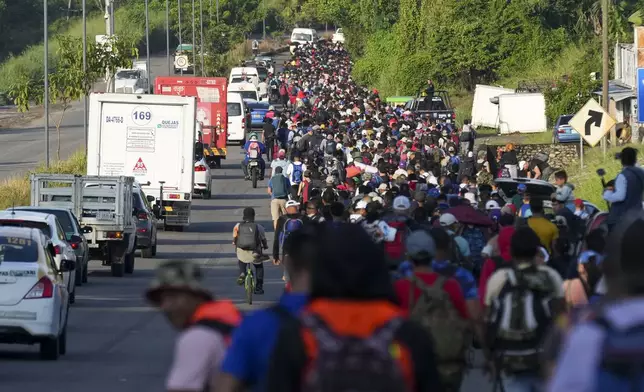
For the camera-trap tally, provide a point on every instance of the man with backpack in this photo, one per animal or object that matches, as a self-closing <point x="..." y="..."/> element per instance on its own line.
<point x="248" y="359"/>
<point x="351" y="336"/>
<point x="279" y="187"/>
<point x="295" y="174"/>
<point x="285" y="226"/>
<point x="249" y="239"/>
<point x="205" y="324"/>
<point x="522" y="299"/>
<point x="436" y="302"/>
<point x="603" y="350"/>
<point x="402" y="223"/>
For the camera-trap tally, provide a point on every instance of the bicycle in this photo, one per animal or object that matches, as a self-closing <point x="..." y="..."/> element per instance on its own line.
<point x="249" y="283"/>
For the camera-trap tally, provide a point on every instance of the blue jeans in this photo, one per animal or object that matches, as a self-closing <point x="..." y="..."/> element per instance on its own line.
<point x="520" y="383"/>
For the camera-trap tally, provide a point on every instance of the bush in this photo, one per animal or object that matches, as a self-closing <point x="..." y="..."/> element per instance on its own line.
<point x="16" y="191"/>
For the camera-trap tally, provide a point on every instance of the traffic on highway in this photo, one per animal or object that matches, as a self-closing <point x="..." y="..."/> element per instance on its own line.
<point x="283" y="228"/>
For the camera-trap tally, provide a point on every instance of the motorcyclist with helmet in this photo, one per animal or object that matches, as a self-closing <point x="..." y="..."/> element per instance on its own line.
<point x="254" y="149"/>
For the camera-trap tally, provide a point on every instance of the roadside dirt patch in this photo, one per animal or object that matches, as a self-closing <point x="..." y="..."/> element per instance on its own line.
<point x="10" y="117"/>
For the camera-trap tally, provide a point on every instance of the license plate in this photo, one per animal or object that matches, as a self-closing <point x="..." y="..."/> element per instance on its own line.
<point x="253" y="164"/>
<point x="104" y="215"/>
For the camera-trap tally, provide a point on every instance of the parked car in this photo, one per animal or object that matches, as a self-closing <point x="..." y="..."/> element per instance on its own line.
<point x="338" y="36"/>
<point x="50" y="226"/>
<point x="146" y="224"/>
<point x="562" y="132"/>
<point x="203" y="174"/>
<point x="71" y="227"/>
<point x="34" y="300"/>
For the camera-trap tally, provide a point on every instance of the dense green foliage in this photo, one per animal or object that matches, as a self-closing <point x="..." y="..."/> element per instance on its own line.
<point x="400" y="43"/>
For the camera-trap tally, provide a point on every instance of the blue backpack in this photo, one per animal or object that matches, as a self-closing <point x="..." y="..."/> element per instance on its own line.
<point x="297" y="174"/>
<point x="290" y="226"/>
<point x="622" y="360"/>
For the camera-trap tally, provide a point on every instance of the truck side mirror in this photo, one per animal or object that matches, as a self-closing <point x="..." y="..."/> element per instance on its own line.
<point x="150" y="198"/>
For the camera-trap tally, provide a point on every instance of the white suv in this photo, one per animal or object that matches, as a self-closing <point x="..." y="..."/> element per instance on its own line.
<point x="34" y="301"/>
<point x="49" y="225"/>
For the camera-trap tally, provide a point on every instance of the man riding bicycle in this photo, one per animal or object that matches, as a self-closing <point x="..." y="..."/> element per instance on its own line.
<point x="254" y="150"/>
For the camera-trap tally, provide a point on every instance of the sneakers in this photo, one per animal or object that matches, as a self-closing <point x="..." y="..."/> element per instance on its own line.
<point x="259" y="290"/>
<point x="241" y="279"/>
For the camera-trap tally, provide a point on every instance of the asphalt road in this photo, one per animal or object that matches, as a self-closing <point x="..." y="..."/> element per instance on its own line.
<point x="116" y="342"/>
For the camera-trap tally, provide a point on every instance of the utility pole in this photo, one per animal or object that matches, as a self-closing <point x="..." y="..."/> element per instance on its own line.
<point x="264" y="20"/>
<point x="109" y="31"/>
<point x="85" y="71"/>
<point x="167" y="35"/>
<point x="605" y="76"/>
<point x="147" y="47"/>
<point x="180" y="40"/>
<point x="194" y="41"/>
<point x="203" y="69"/>
<point x="46" y="75"/>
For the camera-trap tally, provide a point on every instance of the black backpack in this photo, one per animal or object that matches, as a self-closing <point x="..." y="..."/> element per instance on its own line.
<point x="247" y="236"/>
<point x="330" y="147"/>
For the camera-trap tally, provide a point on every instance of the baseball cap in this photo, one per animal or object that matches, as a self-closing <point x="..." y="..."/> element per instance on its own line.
<point x="491" y="204"/>
<point x="177" y="275"/>
<point x="522" y="187"/>
<point x="361" y="205"/>
<point x="281" y="154"/>
<point x="579" y="203"/>
<point x="329" y="180"/>
<point x="401" y="203"/>
<point x="447" y="219"/>
<point x="420" y="245"/>
<point x="292" y="203"/>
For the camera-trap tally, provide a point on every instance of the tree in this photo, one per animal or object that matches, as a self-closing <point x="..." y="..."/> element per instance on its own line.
<point x="68" y="82"/>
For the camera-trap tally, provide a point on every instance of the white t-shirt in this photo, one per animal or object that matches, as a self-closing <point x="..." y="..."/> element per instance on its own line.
<point x="283" y="163"/>
<point x="290" y="169"/>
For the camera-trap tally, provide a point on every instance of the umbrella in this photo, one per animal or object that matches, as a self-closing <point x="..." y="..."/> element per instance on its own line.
<point x="469" y="216"/>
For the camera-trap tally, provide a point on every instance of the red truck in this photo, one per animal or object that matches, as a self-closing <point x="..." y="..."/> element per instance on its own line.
<point x="211" y="109"/>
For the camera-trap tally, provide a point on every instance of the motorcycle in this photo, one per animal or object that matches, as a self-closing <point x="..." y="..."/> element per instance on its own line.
<point x="253" y="171"/>
<point x="275" y="93"/>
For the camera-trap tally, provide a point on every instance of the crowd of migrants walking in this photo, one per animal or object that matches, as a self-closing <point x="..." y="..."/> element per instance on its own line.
<point x="402" y="256"/>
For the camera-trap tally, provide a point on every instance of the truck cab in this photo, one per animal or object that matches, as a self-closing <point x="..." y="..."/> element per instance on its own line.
<point x="439" y="108"/>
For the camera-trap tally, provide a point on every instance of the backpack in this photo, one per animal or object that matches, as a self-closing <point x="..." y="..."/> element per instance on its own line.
<point x="278" y="186"/>
<point x="457" y="256"/>
<point x="253" y="150"/>
<point x="247" y="236"/>
<point x="453" y="164"/>
<point x="297" y="174"/>
<point x="314" y="143"/>
<point x="622" y="357"/>
<point x="395" y="250"/>
<point x="329" y="148"/>
<point x="520" y="318"/>
<point x="466" y="136"/>
<point x="338" y="363"/>
<point x="450" y="333"/>
<point x="290" y="226"/>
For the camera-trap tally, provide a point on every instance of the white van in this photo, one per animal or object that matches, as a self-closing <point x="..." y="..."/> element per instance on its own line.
<point x="237" y="121"/>
<point x="246" y="90"/>
<point x="244" y="75"/>
<point x="302" y="36"/>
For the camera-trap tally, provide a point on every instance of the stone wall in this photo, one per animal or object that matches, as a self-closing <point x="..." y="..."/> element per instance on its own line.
<point x="561" y="155"/>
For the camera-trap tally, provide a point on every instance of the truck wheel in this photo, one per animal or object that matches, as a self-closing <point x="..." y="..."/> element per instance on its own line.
<point x="62" y="342"/>
<point x="129" y="263"/>
<point x="118" y="269"/>
<point x="85" y="267"/>
<point x="146" y="253"/>
<point x="79" y="274"/>
<point x="50" y="349"/>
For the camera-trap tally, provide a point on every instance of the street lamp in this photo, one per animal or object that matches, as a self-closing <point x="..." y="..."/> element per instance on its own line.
<point x="147" y="45"/>
<point x="46" y="75"/>
<point x="180" y="40"/>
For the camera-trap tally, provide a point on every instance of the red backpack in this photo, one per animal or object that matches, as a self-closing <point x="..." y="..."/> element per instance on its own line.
<point x="395" y="250"/>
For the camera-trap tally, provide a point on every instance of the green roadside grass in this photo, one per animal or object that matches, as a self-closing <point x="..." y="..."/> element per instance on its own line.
<point x="15" y="191"/>
<point x="29" y="64"/>
<point x="587" y="183"/>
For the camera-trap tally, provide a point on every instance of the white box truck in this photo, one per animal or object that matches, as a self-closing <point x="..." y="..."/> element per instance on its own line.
<point x="522" y="113"/>
<point x="151" y="138"/>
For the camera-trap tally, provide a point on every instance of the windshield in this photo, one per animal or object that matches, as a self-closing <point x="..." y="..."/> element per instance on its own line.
<point x="262" y="72"/>
<point x="301" y="37"/>
<point x="42" y="226"/>
<point x="234" y="109"/>
<point x="247" y="94"/>
<point x="128" y="75"/>
<point x="18" y="250"/>
<point x="63" y="218"/>
<point x="241" y="79"/>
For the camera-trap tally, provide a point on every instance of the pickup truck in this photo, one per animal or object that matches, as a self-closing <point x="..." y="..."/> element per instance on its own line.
<point x="104" y="208"/>
<point x="440" y="107"/>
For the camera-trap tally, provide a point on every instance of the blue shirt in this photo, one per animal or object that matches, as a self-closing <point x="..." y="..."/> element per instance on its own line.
<point x="464" y="278"/>
<point x="262" y="147"/>
<point x="270" y="185"/>
<point x="248" y="357"/>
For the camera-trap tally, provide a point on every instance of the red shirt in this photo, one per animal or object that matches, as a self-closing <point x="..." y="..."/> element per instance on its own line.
<point x="451" y="287"/>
